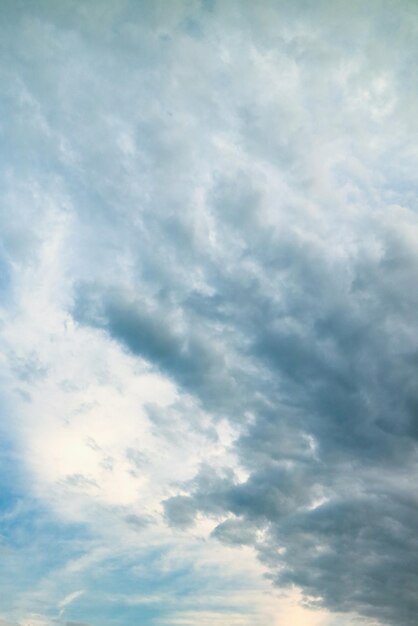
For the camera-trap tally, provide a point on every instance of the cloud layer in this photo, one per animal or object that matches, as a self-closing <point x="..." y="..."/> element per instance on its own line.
<point x="209" y="264"/>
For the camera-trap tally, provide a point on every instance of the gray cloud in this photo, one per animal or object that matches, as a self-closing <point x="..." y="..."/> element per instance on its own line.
<point x="327" y="366"/>
<point x="315" y="340"/>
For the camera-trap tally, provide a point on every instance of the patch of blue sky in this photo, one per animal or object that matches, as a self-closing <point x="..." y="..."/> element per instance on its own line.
<point x="117" y="594"/>
<point x="33" y="543"/>
<point x="131" y="589"/>
<point x="34" y="547"/>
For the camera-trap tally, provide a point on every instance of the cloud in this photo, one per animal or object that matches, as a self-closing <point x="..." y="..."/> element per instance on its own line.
<point x="70" y="598"/>
<point x="209" y="250"/>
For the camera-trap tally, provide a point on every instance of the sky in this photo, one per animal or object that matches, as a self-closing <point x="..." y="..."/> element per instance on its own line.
<point x="208" y="313"/>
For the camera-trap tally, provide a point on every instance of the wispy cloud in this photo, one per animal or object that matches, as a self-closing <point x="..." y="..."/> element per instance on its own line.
<point x="71" y="597"/>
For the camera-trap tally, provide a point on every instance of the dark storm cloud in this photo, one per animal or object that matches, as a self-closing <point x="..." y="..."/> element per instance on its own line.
<point x="192" y="357"/>
<point x="331" y="448"/>
<point x="327" y="355"/>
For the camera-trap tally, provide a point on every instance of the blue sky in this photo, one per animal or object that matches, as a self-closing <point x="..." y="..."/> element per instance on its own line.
<point x="208" y="272"/>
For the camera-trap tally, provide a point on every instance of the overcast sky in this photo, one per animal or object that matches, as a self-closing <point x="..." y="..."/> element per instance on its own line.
<point x="208" y="313"/>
